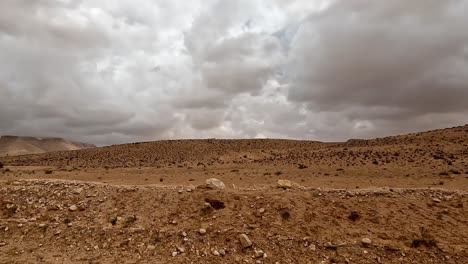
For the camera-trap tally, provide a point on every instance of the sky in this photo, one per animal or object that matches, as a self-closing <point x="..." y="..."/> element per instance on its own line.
<point x="110" y="72"/>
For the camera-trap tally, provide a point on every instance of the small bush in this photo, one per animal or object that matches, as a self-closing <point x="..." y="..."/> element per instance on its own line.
<point x="423" y="242"/>
<point x="48" y="171"/>
<point x="354" y="216"/>
<point x="285" y="215"/>
<point x="453" y="171"/>
<point x="426" y="240"/>
<point x="129" y="220"/>
<point x="113" y="220"/>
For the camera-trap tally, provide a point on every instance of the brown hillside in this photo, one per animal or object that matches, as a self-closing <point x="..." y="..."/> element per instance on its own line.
<point x="15" y="145"/>
<point x="434" y="149"/>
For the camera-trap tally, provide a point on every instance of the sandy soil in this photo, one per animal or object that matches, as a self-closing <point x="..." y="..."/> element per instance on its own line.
<point x="394" y="200"/>
<point x="76" y="222"/>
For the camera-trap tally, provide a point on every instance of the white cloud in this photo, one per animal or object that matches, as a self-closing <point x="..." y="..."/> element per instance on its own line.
<point x="117" y="71"/>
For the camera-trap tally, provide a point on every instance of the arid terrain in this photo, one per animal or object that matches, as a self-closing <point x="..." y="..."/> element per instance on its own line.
<point x="16" y="145"/>
<point x="401" y="199"/>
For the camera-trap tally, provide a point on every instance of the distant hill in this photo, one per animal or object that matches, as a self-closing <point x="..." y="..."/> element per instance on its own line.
<point x="15" y="145"/>
<point x="444" y="147"/>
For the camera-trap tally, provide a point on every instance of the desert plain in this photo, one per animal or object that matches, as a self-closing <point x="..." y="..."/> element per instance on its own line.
<point x="399" y="199"/>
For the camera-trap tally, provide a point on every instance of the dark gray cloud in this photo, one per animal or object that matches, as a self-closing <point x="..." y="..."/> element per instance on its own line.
<point x="132" y="70"/>
<point x="401" y="59"/>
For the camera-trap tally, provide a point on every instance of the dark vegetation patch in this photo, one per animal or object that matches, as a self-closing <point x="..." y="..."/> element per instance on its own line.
<point x="354" y="216"/>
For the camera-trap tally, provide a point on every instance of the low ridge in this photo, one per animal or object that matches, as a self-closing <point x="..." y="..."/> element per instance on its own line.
<point x="16" y="145"/>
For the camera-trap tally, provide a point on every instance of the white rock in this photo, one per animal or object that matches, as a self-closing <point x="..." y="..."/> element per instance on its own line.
<point x="78" y="191"/>
<point x="202" y="231"/>
<point x="366" y="241"/>
<point x="258" y="253"/>
<point x="245" y="241"/>
<point x="73" y="208"/>
<point x="181" y="249"/>
<point x="287" y="184"/>
<point x="150" y="247"/>
<point x="215" y="184"/>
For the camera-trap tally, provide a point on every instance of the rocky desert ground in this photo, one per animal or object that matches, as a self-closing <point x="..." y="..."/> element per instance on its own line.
<point x="400" y="199"/>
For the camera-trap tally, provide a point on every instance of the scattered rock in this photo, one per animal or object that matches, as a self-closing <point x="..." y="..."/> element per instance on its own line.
<point x="258" y="253"/>
<point x="366" y="241"/>
<point x="73" y="208"/>
<point x="77" y="190"/>
<point x="436" y="200"/>
<point x="202" y="231"/>
<point x="245" y="241"/>
<point x="285" y="184"/>
<point x="150" y="247"/>
<point x="214" y="183"/>
<point x="261" y="210"/>
<point x="181" y="249"/>
<point x="328" y="245"/>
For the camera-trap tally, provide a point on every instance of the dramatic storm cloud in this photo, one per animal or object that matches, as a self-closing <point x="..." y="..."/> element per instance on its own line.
<point x="117" y="71"/>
